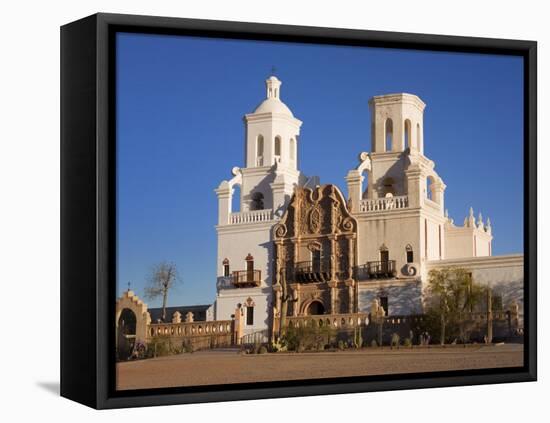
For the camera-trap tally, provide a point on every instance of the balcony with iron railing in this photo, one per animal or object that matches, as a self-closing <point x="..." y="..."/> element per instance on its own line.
<point x="312" y="271"/>
<point x="384" y="204"/>
<point x="247" y="278"/>
<point x="376" y="270"/>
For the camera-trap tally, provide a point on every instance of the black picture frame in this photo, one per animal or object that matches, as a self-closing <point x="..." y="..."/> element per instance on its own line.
<point x="88" y="206"/>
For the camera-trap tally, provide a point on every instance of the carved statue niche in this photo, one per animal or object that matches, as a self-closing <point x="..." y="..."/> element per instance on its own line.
<point x="315" y="219"/>
<point x="302" y="207"/>
<point x="342" y="254"/>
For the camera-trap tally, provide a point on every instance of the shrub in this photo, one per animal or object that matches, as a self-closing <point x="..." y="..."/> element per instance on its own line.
<point x="373" y="343"/>
<point x="262" y="350"/>
<point x="395" y="340"/>
<point x="257" y="347"/>
<point x="341" y="345"/>
<point x="187" y="347"/>
<point x="311" y="337"/>
<point x="159" y="346"/>
<point x="407" y="342"/>
<point x="279" y="345"/>
<point x="358" y="342"/>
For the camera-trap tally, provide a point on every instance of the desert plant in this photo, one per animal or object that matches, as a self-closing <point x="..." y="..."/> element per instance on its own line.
<point x="358" y="338"/>
<point x="395" y="340"/>
<point x="257" y="346"/>
<point x="187" y="346"/>
<point x="159" y="346"/>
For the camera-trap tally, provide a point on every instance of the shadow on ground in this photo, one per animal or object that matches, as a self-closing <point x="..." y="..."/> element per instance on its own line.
<point x="51" y="387"/>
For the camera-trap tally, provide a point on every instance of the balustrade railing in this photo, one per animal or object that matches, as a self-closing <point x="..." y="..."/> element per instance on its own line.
<point x="384" y="204"/>
<point x="187" y="329"/>
<point x="329" y="320"/>
<point x="254" y="216"/>
<point x="258" y="337"/>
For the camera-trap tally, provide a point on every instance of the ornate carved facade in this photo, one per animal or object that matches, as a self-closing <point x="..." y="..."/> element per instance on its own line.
<point x="315" y="250"/>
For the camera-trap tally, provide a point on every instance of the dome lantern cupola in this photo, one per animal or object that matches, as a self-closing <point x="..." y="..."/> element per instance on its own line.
<point x="273" y="103"/>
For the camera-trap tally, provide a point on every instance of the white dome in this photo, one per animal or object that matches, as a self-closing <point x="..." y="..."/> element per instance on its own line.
<point x="273" y="105"/>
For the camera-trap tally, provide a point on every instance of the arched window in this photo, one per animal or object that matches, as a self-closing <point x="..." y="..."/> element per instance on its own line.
<point x="407" y="133"/>
<point x="226" y="267"/>
<point x="278" y="148"/>
<point x="418" y="138"/>
<point x="384" y="254"/>
<point x="429" y="187"/>
<point x="388" y="187"/>
<point x="366" y="182"/>
<point x="292" y="149"/>
<point x="389" y="135"/>
<point x="257" y="201"/>
<point x="316" y="260"/>
<point x="236" y="199"/>
<point x="260" y="151"/>
<point x="410" y="254"/>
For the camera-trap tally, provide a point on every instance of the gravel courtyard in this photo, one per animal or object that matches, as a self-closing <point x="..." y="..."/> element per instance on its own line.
<point x="229" y="366"/>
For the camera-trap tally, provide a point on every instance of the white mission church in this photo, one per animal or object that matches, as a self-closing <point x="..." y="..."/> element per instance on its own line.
<point x="339" y="254"/>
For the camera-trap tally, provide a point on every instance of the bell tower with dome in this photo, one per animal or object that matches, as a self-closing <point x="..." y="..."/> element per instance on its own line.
<point x="272" y="131"/>
<point x="267" y="182"/>
<point x="271" y="153"/>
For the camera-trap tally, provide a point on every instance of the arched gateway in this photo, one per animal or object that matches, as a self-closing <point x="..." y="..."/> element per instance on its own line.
<point x="127" y="323"/>
<point x="315" y="308"/>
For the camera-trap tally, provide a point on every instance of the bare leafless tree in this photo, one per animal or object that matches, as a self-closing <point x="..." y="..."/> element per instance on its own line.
<point x="162" y="278"/>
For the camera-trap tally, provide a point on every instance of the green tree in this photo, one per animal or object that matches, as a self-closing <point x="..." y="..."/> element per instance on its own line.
<point x="452" y="296"/>
<point x="162" y="278"/>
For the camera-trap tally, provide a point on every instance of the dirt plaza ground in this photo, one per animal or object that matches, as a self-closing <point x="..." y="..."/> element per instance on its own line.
<point x="229" y="366"/>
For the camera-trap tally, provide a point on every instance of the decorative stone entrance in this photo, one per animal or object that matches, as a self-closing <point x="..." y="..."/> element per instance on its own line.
<point x="315" y="308"/>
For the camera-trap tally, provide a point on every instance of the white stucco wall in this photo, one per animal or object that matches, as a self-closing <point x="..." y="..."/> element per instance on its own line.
<point x="404" y="297"/>
<point x="235" y="242"/>
<point x="228" y="299"/>
<point x="394" y="230"/>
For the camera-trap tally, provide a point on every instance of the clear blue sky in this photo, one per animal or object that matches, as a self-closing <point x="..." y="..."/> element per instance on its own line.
<point x="180" y="103"/>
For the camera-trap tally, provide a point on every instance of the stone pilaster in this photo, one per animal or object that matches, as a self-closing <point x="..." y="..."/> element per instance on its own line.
<point x="224" y="193"/>
<point x="350" y="257"/>
<point x="355" y="186"/>
<point x="333" y="293"/>
<point x="414" y="177"/>
<point x="333" y="257"/>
